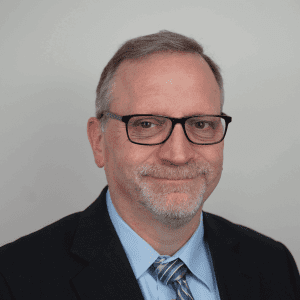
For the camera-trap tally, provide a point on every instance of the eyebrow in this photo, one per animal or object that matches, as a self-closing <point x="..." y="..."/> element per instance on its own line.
<point x="185" y="116"/>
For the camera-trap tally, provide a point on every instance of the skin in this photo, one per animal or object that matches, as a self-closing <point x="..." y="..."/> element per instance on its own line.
<point x="165" y="213"/>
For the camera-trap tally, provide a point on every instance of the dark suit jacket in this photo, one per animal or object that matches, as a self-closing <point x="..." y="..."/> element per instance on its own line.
<point x="81" y="257"/>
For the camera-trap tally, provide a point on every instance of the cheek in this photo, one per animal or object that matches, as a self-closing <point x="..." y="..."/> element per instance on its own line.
<point x="110" y="152"/>
<point x="132" y="155"/>
<point x="214" y="156"/>
<point x="213" y="153"/>
<point x="217" y="160"/>
<point x="218" y="155"/>
<point x="125" y="154"/>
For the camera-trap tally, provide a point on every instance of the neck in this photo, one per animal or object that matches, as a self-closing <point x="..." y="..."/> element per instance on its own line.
<point x="164" y="238"/>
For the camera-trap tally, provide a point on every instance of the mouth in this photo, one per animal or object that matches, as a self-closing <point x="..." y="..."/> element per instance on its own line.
<point x="172" y="180"/>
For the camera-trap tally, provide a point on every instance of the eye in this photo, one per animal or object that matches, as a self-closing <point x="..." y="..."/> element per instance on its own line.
<point x="145" y="122"/>
<point x="202" y="124"/>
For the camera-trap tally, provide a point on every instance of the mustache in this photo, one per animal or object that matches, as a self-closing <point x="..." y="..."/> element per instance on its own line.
<point x="177" y="173"/>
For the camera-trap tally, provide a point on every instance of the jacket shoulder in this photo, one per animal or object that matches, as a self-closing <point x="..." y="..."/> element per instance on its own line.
<point x="266" y="257"/>
<point x="243" y="234"/>
<point x="54" y="238"/>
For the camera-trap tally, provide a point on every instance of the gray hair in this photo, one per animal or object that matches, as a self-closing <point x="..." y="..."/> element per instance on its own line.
<point x="140" y="47"/>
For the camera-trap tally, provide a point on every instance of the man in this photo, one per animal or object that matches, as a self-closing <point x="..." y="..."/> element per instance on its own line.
<point x="159" y="134"/>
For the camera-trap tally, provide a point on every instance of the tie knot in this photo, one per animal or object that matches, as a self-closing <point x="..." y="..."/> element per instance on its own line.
<point x="169" y="272"/>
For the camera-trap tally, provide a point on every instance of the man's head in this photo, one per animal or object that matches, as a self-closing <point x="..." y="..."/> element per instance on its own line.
<point x="168" y="82"/>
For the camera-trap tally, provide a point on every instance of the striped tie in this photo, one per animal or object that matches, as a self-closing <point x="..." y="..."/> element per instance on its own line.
<point x="173" y="273"/>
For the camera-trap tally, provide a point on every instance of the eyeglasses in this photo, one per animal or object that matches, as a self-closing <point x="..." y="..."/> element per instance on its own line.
<point x="153" y="130"/>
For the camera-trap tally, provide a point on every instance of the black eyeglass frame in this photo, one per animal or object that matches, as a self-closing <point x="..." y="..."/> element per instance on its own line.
<point x="174" y="121"/>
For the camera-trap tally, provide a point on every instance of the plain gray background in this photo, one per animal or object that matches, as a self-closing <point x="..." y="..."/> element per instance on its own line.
<point x="52" y="55"/>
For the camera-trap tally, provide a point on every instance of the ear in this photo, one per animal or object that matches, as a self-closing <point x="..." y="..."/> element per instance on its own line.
<point x="96" y="139"/>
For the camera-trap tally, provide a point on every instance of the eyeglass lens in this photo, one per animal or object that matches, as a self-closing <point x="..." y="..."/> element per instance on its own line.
<point x="154" y="129"/>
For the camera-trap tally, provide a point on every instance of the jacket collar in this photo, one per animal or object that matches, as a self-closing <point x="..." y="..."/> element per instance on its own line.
<point x="108" y="273"/>
<point x="235" y="273"/>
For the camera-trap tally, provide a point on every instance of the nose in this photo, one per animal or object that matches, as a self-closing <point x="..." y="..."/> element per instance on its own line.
<point x="178" y="134"/>
<point x="177" y="149"/>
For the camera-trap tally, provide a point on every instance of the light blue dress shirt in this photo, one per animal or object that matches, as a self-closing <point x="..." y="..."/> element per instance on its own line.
<point x="195" y="254"/>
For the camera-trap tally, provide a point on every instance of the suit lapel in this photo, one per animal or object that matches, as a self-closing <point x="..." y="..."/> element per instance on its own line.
<point x="108" y="274"/>
<point x="236" y="275"/>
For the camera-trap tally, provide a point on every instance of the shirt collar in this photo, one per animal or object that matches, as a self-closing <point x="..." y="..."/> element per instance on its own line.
<point x="141" y="255"/>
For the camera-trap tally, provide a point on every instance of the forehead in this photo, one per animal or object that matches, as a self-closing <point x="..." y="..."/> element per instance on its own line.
<point x="169" y="84"/>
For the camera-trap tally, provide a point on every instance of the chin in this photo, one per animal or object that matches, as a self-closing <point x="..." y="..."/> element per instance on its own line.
<point x="172" y="203"/>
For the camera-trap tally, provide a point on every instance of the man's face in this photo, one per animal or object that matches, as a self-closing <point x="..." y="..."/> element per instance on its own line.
<point x="173" y="85"/>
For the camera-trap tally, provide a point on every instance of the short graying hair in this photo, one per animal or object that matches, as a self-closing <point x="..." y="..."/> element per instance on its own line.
<point x="163" y="41"/>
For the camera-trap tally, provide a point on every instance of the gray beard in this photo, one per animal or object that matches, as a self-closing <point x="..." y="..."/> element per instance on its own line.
<point x="173" y="216"/>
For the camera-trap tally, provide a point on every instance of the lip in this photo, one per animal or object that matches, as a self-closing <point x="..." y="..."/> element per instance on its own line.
<point x="172" y="180"/>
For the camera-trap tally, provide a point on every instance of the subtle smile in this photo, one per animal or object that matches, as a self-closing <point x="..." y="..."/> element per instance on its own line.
<point x="172" y="180"/>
